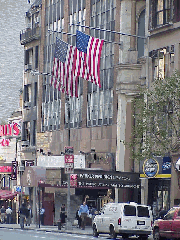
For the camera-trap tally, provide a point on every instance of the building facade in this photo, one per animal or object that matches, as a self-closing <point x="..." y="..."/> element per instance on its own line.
<point x="100" y="120"/>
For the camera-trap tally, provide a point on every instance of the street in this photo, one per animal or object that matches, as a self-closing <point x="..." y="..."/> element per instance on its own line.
<point x="18" y="234"/>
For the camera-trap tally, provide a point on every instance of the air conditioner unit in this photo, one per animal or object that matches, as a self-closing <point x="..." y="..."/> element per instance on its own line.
<point x="21" y="168"/>
<point x="25" y="144"/>
<point x="27" y="104"/>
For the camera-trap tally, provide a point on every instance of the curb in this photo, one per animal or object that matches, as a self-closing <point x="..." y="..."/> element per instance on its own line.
<point x="48" y="230"/>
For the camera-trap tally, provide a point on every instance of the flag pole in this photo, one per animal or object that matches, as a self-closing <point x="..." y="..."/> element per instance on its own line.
<point x="110" y="31"/>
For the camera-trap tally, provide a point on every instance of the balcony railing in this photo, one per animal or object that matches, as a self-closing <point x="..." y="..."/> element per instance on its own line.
<point x="29" y="35"/>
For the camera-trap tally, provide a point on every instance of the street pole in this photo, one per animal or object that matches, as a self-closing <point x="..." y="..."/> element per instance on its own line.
<point x="68" y="223"/>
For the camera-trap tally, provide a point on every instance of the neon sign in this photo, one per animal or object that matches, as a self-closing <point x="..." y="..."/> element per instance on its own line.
<point x="5" y="142"/>
<point x="9" y="130"/>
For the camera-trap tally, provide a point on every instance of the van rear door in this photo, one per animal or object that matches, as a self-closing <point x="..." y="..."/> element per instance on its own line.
<point x="143" y="218"/>
<point x="129" y="217"/>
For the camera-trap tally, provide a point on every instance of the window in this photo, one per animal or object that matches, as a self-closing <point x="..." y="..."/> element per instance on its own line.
<point x="177" y="10"/>
<point x="33" y="143"/>
<point x="129" y="210"/>
<point x="141" y="32"/>
<point x="162" y="62"/>
<point x="35" y="93"/>
<point x="161" y="13"/>
<point x="170" y="214"/>
<point x="143" y="212"/>
<point x="27" y="93"/>
<point x="36" y="56"/>
<point x="26" y="131"/>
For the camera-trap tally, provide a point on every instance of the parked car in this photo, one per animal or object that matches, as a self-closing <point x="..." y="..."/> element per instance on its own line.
<point x="169" y="226"/>
<point x="124" y="219"/>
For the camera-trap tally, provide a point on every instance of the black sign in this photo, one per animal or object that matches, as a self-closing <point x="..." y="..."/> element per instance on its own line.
<point x="14" y="170"/>
<point x="69" y="150"/>
<point x="105" y="179"/>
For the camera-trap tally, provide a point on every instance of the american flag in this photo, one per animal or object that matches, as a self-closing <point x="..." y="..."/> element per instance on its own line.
<point x="90" y="49"/>
<point x="66" y="58"/>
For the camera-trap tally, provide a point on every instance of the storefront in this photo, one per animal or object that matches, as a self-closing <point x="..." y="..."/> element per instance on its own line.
<point x="156" y="175"/>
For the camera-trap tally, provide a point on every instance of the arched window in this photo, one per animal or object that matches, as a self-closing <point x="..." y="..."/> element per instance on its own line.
<point x="141" y="32"/>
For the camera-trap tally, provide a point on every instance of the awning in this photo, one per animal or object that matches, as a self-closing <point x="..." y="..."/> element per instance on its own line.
<point x="5" y="194"/>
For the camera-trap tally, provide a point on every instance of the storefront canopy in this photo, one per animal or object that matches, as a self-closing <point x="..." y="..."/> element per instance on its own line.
<point x="5" y="194"/>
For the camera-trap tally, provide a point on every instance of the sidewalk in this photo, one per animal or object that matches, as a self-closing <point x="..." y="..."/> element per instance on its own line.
<point x="88" y="230"/>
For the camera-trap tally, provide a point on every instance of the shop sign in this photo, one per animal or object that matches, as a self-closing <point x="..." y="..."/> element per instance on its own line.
<point x="166" y="166"/>
<point x="104" y="179"/>
<point x="14" y="170"/>
<point x="9" y="130"/>
<point x="150" y="168"/>
<point x="29" y="163"/>
<point x="18" y="188"/>
<point x="5" y="169"/>
<point x="73" y="180"/>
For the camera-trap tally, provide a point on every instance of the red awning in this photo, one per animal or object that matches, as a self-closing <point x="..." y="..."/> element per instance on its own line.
<point x="5" y="194"/>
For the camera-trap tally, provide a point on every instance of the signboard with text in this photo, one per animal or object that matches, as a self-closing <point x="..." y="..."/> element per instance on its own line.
<point x="14" y="170"/>
<point x="69" y="150"/>
<point x="69" y="163"/>
<point x="73" y="180"/>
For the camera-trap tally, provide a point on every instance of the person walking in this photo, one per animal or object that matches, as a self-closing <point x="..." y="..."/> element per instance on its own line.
<point x="29" y="215"/>
<point x="23" y="211"/>
<point x="78" y="218"/>
<point x="42" y="212"/>
<point x="9" y="214"/>
<point x="83" y="213"/>
<point x="3" y="213"/>
<point x="63" y="214"/>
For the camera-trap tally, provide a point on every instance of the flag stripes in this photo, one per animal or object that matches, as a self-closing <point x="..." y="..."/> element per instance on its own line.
<point x="71" y="62"/>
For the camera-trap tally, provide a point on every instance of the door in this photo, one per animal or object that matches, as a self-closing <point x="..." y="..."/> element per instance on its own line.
<point x="48" y="204"/>
<point x="129" y="217"/>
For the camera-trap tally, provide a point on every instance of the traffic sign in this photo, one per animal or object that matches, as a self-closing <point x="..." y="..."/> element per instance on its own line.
<point x="69" y="150"/>
<point x="69" y="168"/>
<point x="69" y="159"/>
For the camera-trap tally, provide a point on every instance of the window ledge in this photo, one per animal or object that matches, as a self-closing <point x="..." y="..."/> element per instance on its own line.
<point x="162" y="28"/>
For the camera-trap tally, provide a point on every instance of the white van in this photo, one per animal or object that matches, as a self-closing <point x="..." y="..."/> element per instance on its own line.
<point x="125" y="219"/>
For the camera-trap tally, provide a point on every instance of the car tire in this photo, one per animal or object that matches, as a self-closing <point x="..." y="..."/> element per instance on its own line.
<point x="113" y="235"/>
<point x="125" y="236"/>
<point x="156" y="235"/>
<point x="143" y="237"/>
<point x="95" y="232"/>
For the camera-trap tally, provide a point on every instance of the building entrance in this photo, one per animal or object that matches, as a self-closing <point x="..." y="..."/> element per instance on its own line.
<point x="159" y="194"/>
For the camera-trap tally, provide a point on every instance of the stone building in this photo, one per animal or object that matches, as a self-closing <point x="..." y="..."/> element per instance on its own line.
<point x="95" y="122"/>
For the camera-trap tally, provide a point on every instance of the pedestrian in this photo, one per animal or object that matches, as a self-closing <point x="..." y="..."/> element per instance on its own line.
<point x="93" y="211"/>
<point x="78" y="218"/>
<point x="23" y="211"/>
<point x="162" y="213"/>
<point x="42" y="212"/>
<point x="83" y="213"/>
<point x="8" y="214"/>
<point x="29" y="215"/>
<point x="63" y="214"/>
<point x="3" y="213"/>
